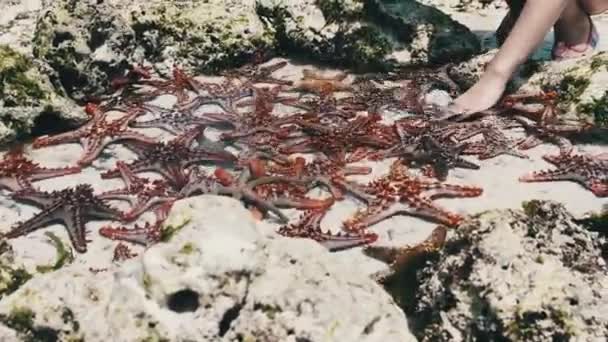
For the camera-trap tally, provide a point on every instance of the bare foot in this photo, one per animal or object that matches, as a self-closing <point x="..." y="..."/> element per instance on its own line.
<point x="481" y="96"/>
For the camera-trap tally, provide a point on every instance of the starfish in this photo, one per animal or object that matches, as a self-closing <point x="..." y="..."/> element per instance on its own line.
<point x="329" y="173"/>
<point x="254" y="73"/>
<point x="17" y="171"/>
<point x="334" y="141"/>
<point x="146" y="235"/>
<point x="315" y="82"/>
<point x="172" y="121"/>
<point x="540" y="132"/>
<point x="399" y="193"/>
<point x="141" y="193"/>
<point x="224" y="95"/>
<point x="72" y="206"/>
<point x="171" y="159"/>
<point x="309" y="227"/>
<point x="96" y="134"/>
<point x="122" y="252"/>
<point x="260" y="126"/>
<point x="494" y="143"/>
<point x="402" y="259"/>
<point x="243" y="188"/>
<point x="589" y="170"/>
<point x="368" y="96"/>
<point x="440" y="157"/>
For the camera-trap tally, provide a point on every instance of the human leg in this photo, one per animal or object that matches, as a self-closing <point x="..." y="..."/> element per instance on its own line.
<point x="593" y="7"/>
<point x="535" y="20"/>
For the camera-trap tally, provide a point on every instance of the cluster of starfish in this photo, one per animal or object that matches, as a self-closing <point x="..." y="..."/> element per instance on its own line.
<point x="270" y="121"/>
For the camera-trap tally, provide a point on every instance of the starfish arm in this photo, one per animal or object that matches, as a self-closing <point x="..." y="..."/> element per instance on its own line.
<point x="76" y="229"/>
<point x="135" y="136"/>
<point x="98" y="209"/>
<point x="552" y="175"/>
<point x="40" y="198"/>
<point x="420" y="207"/>
<point x="528" y="142"/>
<point x="259" y="202"/>
<point x="144" y="204"/>
<point x="302" y="203"/>
<point x="93" y="145"/>
<point x="46" y="216"/>
<point x="443" y="190"/>
<point x="339" y="242"/>
<point x="67" y="137"/>
<point x="598" y="187"/>
<point x="119" y="195"/>
<point x="14" y="184"/>
<point x="138" y="235"/>
<point x="45" y="173"/>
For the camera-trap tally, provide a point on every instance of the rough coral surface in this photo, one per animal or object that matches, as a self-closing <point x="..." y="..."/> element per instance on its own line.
<point x="216" y="279"/>
<point x="25" y="95"/>
<point x="532" y="275"/>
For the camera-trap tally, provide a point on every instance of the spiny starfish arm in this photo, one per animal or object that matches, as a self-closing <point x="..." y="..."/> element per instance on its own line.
<point x="44" y="173"/>
<point x="598" y="187"/>
<point x="62" y="138"/>
<point x="14" y="183"/>
<point x="402" y="258"/>
<point x="443" y="190"/>
<point x="49" y="214"/>
<point x="309" y="226"/>
<point x="74" y="223"/>
<point x="145" y="236"/>
<point x="354" y="189"/>
<point x="40" y="198"/>
<point x="302" y="203"/>
<point x="98" y="209"/>
<point x="128" y="176"/>
<point x="253" y="198"/>
<point x="425" y="209"/>
<point x="92" y="145"/>
<point x="119" y="195"/>
<point x="144" y="204"/>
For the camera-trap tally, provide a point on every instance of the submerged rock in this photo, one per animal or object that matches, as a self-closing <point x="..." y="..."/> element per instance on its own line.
<point x="216" y="279"/>
<point x="532" y="275"/>
<point x="27" y="97"/>
<point x="367" y="34"/>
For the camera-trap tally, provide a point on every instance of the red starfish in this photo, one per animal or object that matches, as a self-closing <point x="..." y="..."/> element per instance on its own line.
<point x="401" y="259"/>
<point x="327" y="172"/>
<point x="224" y="95"/>
<point x="122" y="252"/>
<point x="17" y="172"/>
<point x="72" y="206"/>
<point x="334" y="141"/>
<point x="146" y="236"/>
<point x="96" y="134"/>
<point x="309" y="227"/>
<point x="173" y="158"/>
<point x="494" y="143"/>
<point x="399" y="193"/>
<point x="590" y="171"/>
<point x="141" y="193"/>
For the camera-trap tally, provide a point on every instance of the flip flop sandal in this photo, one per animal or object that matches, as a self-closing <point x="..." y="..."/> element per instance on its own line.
<point x="562" y="51"/>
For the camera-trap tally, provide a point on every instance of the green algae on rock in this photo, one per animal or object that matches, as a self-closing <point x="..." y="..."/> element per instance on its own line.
<point x="11" y="276"/>
<point x="87" y="43"/>
<point x="510" y="275"/>
<point x="581" y="84"/>
<point x="25" y="95"/>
